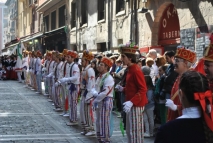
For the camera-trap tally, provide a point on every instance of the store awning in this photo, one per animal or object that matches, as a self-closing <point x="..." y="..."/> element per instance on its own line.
<point x="10" y="49"/>
<point x="32" y="37"/>
<point x="55" y="31"/>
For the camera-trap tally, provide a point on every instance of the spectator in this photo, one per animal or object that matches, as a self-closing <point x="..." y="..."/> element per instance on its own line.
<point x="149" y="108"/>
<point x="149" y="63"/>
<point x="161" y="100"/>
<point x="153" y="54"/>
<point x="171" y="75"/>
<point x="195" y="124"/>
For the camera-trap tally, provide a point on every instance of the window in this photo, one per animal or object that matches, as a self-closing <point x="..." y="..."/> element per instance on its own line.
<point x="62" y="16"/>
<point x="101" y="9"/>
<point x="120" y="5"/>
<point x="53" y="20"/>
<point x="73" y="15"/>
<point x="83" y="11"/>
<point x="46" y="23"/>
<point x="84" y="46"/>
<point x="30" y="2"/>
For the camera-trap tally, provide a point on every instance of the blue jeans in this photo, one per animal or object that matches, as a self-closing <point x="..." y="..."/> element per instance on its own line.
<point x="38" y="81"/>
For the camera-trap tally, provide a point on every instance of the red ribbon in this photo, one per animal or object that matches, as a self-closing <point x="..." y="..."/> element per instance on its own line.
<point x="202" y="97"/>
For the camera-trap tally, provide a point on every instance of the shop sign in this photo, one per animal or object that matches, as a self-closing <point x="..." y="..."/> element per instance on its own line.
<point x="169" y="26"/>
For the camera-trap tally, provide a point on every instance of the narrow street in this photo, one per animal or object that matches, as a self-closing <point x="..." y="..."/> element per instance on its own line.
<point x="27" y="117"/>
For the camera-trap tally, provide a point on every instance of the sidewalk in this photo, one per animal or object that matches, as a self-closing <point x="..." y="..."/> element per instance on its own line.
<point x="29" y="117"/>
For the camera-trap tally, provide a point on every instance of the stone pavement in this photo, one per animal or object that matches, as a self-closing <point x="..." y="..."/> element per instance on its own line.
<point x="27" y="117"/>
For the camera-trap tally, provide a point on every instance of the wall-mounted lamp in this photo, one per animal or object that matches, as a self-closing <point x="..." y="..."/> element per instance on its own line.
<point x="36" y="40"/>
<point x="30" y="43"/>
<point x="142" y="10"/>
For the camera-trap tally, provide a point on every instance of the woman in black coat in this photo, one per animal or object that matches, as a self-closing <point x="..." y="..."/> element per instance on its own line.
<point x="195" y="125"/>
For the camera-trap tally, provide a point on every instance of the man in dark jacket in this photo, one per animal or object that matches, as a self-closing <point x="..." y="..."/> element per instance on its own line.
<point x="171" y="76"/>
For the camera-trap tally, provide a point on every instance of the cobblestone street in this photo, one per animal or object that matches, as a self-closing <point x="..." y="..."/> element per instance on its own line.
<point x="29" y="117"/>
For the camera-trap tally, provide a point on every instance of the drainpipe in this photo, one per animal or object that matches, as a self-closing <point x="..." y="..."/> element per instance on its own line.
<point x="76" y="25"/>
<point x="131" y="4"/>
<point x="109" y="26"/>
<point x="135" y="23"/>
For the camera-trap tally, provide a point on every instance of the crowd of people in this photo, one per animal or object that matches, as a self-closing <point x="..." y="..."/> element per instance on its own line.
<point x="172" y="90"/>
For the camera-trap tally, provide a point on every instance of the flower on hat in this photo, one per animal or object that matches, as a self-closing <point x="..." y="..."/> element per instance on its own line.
<point x="107" y="61"/>
<point x="73" y="54"/>
<point x="48" y="53"/>
<point x="88" y="55"/>
<point x="65" y="52"/>
<point x="59" y="55"/>
<point x="128" y="48"/>
<point x="38" y="53"/>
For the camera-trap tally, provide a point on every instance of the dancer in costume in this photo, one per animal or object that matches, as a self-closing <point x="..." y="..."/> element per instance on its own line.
<point x="50" y="77"/>
<point x="72" y="78"/>
<point x="57" y="100"/>
<point x="33" y="78"/>
<point x="45" y="72"/>
<point x="208" y="63"/>
<point x="38" y="72"/>
<point x="184" y="59"/>
<point x="103" y="101"/>
<point x="65" y="67"/>
<point x="25" y="66"/>
<point x="135" y="92"/>
<point x="87" y="83"/>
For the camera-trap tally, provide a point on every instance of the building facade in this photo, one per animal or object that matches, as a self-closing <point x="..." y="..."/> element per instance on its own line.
<point x="102" y="25"/>
<point x="163" y="25"/>
<point x="53" y="23"/>
<point x="29" y="31"/>
<point x="10" y="26"/>
<point x="2" y="7"/>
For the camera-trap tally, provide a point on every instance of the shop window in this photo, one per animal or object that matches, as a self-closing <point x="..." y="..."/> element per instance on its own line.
<point x="53" y="20"/>
<point x="73" y="15"/>
<point x="120" y="5"/>
<point x="101" y="10"/>
<point x="62" y="16"/>
<point x="83" y="12"/>
<point x="101" y="47"/>
<point x="46" y="23"/>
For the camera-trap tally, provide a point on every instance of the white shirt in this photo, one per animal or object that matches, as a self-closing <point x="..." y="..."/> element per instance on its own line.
<point x="50" y="68"/>
<point x="62" y="70"/>
<point x="75" y="77"/>
<point x="58" y="68"/>
<point x="192" y="112"/>
<point x="108" y="87"/>
<point x="38" y="65"/>
<point x="88" y="75"/>
<point x="25" y="62"/>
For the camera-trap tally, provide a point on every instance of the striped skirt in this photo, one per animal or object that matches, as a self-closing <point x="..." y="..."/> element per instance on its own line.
<point x="134" y="125"/>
